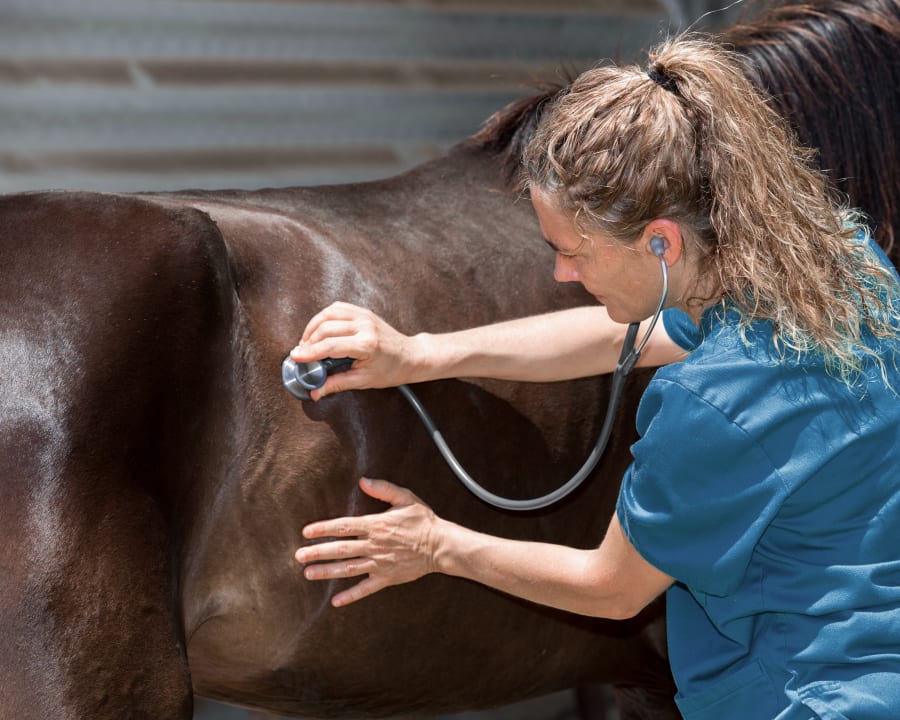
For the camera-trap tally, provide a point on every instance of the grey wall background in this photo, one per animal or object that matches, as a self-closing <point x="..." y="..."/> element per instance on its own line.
<point x="129" y="95"/>
<point x="165" y="94"/>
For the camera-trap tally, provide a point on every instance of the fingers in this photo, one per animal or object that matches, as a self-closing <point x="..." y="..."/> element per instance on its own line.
<point x="338" y="311"/>
<point x="337" y="339"/>
<point x="331" y="565"/>
<point x="340" y="330"/>
<point x="330" y="339"/>
<point x="349" y="380"/>
<point x="358" y="525"/>
<point x="329" y="551"/>
<point x="369" y="586"/>
<point x="345" y="330"/>
<point x="355" y="526"/>
<point x="340" y="570"/>
<point x="387" y="492"/>
<point x="391" y="547"/>
<point x="336" y="570"/>
<point x="384" y="357"/>
<point x="338" y="527"/>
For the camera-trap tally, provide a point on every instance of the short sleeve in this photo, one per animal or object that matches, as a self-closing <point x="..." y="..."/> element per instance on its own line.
<point x="700" y="492"/>
<point x="681" y="329"/>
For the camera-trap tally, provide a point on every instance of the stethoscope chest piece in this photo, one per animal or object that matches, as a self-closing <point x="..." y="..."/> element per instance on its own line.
<point x="298" y="380"/>
<point x="302" y="378"/>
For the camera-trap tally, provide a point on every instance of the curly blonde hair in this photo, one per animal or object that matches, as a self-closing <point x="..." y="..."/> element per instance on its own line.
<point x="700" y="146"/>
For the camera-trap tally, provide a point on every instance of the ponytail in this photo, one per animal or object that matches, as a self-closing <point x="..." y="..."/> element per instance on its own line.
<point x="692" y="140"/>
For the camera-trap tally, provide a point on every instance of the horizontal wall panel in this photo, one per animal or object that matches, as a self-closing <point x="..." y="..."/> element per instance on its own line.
<point x="156" y="119"/>
<point x="202" y="30"/>
<point x="161" y="94"/>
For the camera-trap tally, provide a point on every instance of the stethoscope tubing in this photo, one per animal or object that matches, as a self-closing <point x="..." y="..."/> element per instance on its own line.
<point x="627" y="360"/>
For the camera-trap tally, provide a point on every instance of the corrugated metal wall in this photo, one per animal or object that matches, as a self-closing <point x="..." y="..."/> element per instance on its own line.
<point x="162" y="94"/>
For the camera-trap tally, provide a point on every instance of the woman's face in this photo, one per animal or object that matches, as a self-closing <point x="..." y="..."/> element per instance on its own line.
<point x="625" y="278"/>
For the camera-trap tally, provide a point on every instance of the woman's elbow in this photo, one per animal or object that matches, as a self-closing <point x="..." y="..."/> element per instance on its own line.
<point x="625" y="609"/>
<point x="617" y="606"/>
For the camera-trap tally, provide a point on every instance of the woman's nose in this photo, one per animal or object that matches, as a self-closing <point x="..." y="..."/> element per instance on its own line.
<point x="564" y="270"/>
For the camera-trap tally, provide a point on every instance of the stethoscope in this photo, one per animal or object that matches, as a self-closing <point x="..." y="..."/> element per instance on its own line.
<point x="300" y="379"/>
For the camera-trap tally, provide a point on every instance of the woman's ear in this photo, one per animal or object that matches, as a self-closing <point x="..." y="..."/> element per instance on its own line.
<point x="663" y="238"/>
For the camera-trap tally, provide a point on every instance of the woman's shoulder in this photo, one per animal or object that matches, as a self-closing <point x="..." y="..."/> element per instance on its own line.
<point x="738" y="374"/>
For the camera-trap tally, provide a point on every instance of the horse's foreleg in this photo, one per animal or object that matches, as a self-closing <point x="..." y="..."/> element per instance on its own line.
<point x="87" y="629"/>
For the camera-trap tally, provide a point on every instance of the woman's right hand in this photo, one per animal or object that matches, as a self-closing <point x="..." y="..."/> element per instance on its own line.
<point x="384" y="356"/>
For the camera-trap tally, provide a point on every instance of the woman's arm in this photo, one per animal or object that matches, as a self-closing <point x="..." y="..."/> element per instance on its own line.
<point x="409" y="541"/>
<point x="556" y="346"/>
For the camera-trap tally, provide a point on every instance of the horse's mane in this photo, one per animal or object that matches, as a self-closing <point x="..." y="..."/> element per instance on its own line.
<point x="507" y="131"/>
<point x="831" y="68"/>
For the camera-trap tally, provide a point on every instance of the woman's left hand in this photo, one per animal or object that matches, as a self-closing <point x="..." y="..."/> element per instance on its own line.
<point x="393" y="547"/>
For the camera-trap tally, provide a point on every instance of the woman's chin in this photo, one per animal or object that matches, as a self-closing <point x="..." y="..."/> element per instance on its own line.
<point x="621" y="316"/>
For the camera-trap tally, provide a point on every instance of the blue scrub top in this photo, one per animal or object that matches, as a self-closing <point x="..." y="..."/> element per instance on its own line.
<point x="771" y="492"/>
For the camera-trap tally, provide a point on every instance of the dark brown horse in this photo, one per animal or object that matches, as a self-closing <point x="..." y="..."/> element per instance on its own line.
<point x="154" y="474"/>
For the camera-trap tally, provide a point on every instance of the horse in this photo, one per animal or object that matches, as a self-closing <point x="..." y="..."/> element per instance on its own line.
<point x="155" y="475"/>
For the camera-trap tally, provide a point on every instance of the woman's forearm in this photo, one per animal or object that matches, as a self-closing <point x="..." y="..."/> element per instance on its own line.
<point x="557" y="346"/>
<point x="558" y="576"/>
<point x="547" y="574"/>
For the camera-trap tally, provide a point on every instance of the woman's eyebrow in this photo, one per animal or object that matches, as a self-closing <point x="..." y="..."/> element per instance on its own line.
<point x="565" y="251"/>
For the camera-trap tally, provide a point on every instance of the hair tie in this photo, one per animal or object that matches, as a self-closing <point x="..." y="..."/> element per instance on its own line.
<point x="664" y="81"/>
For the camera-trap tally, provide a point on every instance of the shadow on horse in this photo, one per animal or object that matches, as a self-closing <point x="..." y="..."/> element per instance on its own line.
<point x="154" y="474"/>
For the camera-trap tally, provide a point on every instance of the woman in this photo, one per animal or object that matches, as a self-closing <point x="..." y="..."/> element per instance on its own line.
<point x="764" y="496"/>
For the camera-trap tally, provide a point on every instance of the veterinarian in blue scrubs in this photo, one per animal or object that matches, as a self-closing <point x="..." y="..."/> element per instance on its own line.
<point x="764" y="495"/>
